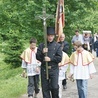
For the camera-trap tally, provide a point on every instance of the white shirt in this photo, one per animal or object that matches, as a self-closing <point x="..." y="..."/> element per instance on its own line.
<point x="62" y="71"/>
<point x="82" y="72"/>
<point x="78" y="38"/>
<point x="31" y="68"/>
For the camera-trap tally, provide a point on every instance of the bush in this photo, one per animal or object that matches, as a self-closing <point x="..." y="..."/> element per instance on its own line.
<point x="13" y="50"/>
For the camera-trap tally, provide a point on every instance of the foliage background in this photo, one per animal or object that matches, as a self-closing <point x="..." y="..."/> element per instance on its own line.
<point x="18" y="25"/>
<point x="18" y="21"/>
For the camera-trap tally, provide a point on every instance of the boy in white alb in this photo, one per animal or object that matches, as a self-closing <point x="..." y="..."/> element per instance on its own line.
<point x="81" y="68"/>
<point x="63" y="66"/>
<point x="31" y="65"/>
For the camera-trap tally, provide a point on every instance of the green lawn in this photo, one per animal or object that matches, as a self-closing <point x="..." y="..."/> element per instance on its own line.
<point x="12" y="85"/>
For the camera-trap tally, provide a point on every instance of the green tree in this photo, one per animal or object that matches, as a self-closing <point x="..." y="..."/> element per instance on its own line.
<point x="13" y="49"/>
<point x="18" y="16"/>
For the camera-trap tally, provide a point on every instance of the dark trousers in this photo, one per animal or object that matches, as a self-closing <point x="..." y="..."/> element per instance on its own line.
<point x="64" y="82"/>
<point x="96" y="52"/>
<point x="33" y="85"/>
<point x="50" y="87"/>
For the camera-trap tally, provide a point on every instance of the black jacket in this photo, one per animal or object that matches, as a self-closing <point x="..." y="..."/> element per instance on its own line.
<point x="65" y="46"/>
<point x="54" y="52"/>
<point x="96" y="44"/>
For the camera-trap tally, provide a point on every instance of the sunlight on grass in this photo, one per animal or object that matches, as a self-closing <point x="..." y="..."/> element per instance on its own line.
<point x="12" y="85"/>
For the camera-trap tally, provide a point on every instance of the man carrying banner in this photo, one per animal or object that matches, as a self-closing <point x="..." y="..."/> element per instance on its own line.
<point x="54" y="56"/>
<point x="60" y="19"/>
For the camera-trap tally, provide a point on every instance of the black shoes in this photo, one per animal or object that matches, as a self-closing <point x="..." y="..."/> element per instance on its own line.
<point x="64" y="87"/>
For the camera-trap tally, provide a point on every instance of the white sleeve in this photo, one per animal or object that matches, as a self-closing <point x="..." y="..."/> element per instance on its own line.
<point x="65" y="67"/>
<point x="91" y="68"/>
<point x="24" y="64"/>
<point x="71" y="69"/>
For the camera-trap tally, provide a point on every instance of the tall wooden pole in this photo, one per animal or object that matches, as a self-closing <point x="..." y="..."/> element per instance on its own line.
<point x="44" y="17"/>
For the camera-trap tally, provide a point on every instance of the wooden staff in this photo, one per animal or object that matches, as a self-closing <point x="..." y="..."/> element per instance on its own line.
<point x="44" y="17"/>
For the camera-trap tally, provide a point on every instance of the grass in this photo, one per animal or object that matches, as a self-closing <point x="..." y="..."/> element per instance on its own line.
<point x="12" y="85"/>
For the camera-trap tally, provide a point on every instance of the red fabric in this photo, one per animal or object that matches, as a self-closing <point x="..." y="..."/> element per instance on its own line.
<point x="60" y="19"/>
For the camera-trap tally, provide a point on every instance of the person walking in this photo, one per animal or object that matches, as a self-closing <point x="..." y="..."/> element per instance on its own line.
<point x="65" y="47"/>
<point x="63" y="66"/>
<point x="50" y="87"/>
<point x="86" y="38"/>
<point x="31" y="65"/>
<point x="96" y="46"/>
<point x="81" y="68"/>
<point x="77" y="37"/>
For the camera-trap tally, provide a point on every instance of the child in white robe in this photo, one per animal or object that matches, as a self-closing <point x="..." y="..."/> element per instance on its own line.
<point x="31" y="65"/>
<point x="63" y="66"/>
<point x="81" y="68"/>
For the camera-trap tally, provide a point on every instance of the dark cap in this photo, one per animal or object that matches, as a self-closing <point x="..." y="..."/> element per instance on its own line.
<point x="50" y="31"/>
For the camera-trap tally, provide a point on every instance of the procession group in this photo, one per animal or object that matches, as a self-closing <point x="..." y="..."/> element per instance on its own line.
<point x="79" y="65"/>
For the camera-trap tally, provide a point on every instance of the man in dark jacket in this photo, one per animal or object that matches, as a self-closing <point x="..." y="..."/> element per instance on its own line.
<point x="65" y="47"/>
<point x="96" y="46"/>
<point x="64" y="44"/>
<point x="54" y="56"/>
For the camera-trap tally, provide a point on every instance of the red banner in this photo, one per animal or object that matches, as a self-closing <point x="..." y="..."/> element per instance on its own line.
<point x="60" y="19"/>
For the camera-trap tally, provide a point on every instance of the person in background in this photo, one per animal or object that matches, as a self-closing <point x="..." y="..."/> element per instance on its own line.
<point x="31" y="65"/>
<point x="94" y="39"/>
<point x="91" y="42"/>
<point x="65" y="47"/>
<point x="50" y="87"/>
<point x="64" y="44"/>
<point x="81" y="68"/>
<point x="77" y="37"/>
<point x="96" y="46"/>
<point x="86" y="44"/>
<point x="88" y="41"/>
